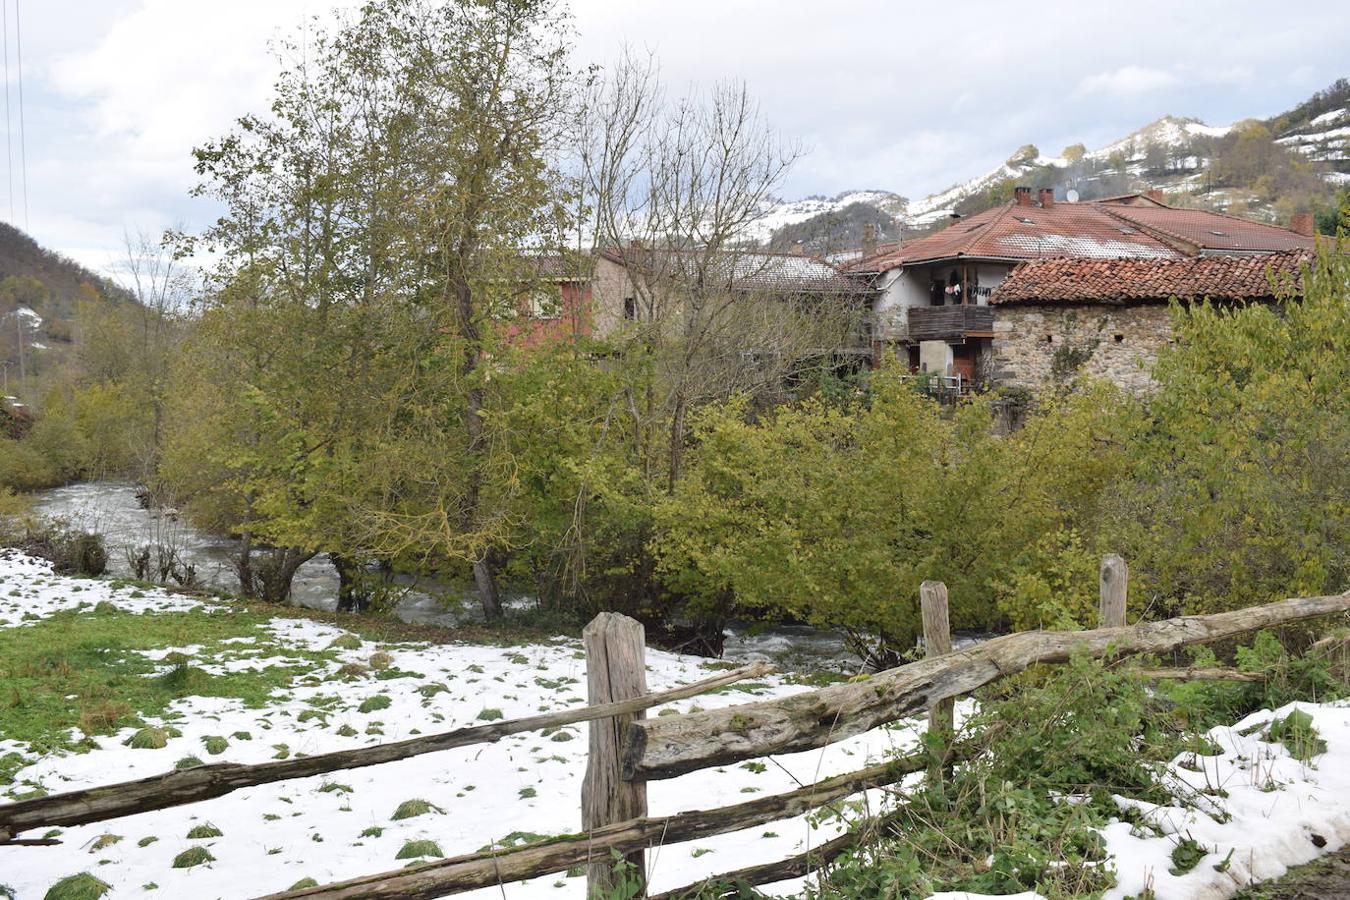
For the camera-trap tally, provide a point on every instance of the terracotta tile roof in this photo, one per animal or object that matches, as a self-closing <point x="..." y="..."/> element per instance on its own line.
<point x="1211" y="230"/>
<point x="1093" y="230"/>
<point x="1149" y="280"/>
<point x="750" y="271"/>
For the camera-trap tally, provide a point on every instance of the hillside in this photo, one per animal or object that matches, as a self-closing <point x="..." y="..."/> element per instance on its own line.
<point x="40" y="291"/>
<point x="1267" y="169"/>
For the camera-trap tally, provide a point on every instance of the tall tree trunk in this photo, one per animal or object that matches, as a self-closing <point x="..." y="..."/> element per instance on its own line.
<point x="353" y="596"/>
<point x="485" y="577"/>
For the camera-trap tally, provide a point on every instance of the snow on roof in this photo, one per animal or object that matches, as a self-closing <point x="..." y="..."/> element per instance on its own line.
<point x="1093" y="230"/>
<point x="779" y="273"/>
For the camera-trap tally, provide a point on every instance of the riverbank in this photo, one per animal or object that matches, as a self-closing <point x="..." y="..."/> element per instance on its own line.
<point x="110" y="681"/>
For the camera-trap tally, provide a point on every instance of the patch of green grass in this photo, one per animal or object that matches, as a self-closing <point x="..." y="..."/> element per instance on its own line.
<point x="202" y="832"/>
<point x="215" y="745"/>
<point x="332" y="786"/>
<point x="188" y="762"/>
<point x="100" y="661"/>
<point x="303" y="883"/>
<point x="371" y="704"/>
<point x="1298" y="735"/>
<point x="148" y="739"/>
<point x="415" y="807"/>
<point x="418" y="849"/>
<point x="346" y="730"/>
<point x="104" y="840"/>
<point x="345" y="642"/>
<point x="373" y="831"/>
<point x="528" y="793"/>
<point x="146" y="841"/>
<point x="490" y="715"/>
<point x="193" y="856"/>
<point x="77" y="887"/>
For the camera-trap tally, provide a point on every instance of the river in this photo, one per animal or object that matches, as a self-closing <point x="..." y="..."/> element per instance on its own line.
<point x="111" y="509"/>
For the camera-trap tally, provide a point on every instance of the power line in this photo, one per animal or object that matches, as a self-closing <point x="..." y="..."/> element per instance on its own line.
<point x="23" y="132"/>
<point x="9" y="136"/>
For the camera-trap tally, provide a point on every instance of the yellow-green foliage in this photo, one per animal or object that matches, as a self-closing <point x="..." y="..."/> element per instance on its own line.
<point x="1242" y="489"/>
<point x="836" y="514"/>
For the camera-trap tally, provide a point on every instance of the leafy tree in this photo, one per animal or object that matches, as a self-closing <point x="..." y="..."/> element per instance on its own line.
<point x="1241" y="489"/>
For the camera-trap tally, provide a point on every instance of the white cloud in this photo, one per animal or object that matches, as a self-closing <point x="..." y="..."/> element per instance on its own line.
<point x="1127" y="81"/>
<point x="902" y="97"/>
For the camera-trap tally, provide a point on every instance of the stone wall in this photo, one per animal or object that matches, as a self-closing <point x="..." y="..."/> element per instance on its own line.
<point x="1038" y="345"/>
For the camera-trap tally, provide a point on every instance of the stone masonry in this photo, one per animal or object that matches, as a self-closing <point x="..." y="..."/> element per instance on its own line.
<point x="1036" y="346"/>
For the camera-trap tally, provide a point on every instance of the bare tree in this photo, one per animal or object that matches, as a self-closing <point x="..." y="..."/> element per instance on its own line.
<point x="676" y="189"/>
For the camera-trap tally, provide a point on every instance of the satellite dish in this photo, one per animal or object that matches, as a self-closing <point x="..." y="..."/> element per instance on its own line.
<point x="1071" y="195"/>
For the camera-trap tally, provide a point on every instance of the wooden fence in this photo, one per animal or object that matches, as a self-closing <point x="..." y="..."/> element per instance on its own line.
<point x="627" y="750"/>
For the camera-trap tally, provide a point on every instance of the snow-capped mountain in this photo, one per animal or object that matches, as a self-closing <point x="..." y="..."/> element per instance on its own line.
<point x="1173" y="153"/>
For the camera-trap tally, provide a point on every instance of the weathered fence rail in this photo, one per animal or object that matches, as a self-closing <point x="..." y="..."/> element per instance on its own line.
<point x="206" y="782"/>
<point x="627" y="750"/>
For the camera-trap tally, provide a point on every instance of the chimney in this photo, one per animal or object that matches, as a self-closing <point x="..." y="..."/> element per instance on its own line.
<point x="1047" y="197"/>
<point x="1301" y="223"/>
<point x="869" y="241"/>
<point x="1022" y="195"/>
<point x="1155" y="195"/>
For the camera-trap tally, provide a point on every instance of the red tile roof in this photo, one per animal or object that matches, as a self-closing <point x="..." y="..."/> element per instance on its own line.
<point x="1092" y="230"/>
<point x="1211" y="230"/>
<point x="1150" y="280"/>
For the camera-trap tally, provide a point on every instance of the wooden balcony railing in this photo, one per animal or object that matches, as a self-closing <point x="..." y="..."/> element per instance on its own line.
<point x="935" y="323"/>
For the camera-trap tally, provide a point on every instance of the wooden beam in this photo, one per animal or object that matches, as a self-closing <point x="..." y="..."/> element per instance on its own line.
<point x="1115" y="581"/>
<point x="672" y="745"/>
<point x="1197" y="673"/>
<point x="204" y="782"/>
<point x="937" y="641"/>
<point x="615" y="670"/>
<point x="486" y="869"/>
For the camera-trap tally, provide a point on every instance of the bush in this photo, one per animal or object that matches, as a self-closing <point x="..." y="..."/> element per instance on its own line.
<point x="71" y="551"/>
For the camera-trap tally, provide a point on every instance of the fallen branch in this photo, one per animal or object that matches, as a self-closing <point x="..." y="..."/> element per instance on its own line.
<point x="205" y="782"/>
<point x="672" y="745"/>
<point x="1195" y="673"/>
<point x="484" y="869"/>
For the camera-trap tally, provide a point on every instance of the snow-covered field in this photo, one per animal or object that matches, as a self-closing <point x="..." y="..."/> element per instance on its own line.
<point x="341" y="825"/>
<point x="1269" y="810"/>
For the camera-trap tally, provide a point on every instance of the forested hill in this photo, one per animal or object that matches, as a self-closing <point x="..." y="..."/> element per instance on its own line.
<point x="48" y="283"/>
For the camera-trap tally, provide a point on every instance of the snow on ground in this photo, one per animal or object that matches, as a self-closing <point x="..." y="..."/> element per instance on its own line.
<point x="1269" y="811"/>
<point x="340" y="825"/>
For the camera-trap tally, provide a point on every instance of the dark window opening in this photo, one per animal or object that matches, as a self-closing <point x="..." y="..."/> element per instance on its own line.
<point x="629" y="308"/>
<point x="1120" y="338"/>
<point x="1049" y="338"/>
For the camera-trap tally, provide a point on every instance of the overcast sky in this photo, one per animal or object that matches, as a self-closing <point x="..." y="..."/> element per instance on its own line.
<point x="902" y="96"/>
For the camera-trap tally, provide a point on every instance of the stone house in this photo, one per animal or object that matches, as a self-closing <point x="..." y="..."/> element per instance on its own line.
<point x="932" y="301"/>
<point x="1054" y="319"/>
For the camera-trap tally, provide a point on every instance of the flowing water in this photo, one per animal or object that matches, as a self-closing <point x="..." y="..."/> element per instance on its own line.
<point x="112" y="509"/>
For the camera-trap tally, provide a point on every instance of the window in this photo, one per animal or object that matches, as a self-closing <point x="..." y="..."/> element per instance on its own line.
<point x="629" y="308"/>
<point x="545" y="303"/>
<point x="1119" y="338"/>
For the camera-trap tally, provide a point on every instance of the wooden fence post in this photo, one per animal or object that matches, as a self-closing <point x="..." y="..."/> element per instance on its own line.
<point x="937" y="640"/>
<point x="615" y="648"/>
<point x="1115" y="582"/>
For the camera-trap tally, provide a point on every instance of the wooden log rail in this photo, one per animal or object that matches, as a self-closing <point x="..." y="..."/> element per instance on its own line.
<point x="488" y="868"/>
<point x="205" y="782"/>
<point x="672" y="745"/>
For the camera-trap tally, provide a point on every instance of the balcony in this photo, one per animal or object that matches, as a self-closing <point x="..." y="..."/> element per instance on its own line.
<point x="941" y="323"/>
